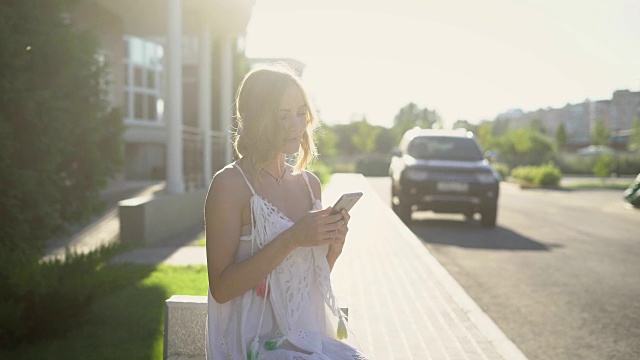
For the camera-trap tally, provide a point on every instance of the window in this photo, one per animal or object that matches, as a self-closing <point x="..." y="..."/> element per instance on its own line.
<point x="444" y="148"/>
<point x="143" y="86"/>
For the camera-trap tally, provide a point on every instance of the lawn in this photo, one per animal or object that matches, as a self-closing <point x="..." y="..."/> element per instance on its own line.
<point x="598" y="185"/>
<point x="128" y="324"/>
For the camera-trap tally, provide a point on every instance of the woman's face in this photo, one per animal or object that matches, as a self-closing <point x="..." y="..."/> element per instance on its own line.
<point x="293" y="117"/>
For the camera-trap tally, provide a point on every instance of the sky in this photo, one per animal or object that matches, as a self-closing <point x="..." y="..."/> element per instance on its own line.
<point x="467" y="59"/>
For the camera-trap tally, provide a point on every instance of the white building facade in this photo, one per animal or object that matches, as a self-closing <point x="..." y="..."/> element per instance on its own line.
<point x="173" y="74"/>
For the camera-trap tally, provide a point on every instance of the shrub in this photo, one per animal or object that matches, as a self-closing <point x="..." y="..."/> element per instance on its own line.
<point x="502" y="169"/>
<point x="548" y="175"/>
<point x="321" y="170"/>
<point x="544" y="175"/>
<point x="604" y="166"/>
<point x="42" y="298"/>
<point x="525" y="147"/>
<point x="60" y="141"/>
<point x="624" y="163"/>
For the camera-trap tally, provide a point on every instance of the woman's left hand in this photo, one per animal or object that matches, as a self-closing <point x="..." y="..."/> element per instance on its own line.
<point x="337" y="243"/>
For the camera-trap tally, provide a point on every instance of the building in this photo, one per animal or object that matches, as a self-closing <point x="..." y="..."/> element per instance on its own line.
<point x="173" y="72"/>
<point x="618" y="115"/>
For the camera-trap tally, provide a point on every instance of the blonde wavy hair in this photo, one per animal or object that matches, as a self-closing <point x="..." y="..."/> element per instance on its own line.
<point x="258" y="134"/>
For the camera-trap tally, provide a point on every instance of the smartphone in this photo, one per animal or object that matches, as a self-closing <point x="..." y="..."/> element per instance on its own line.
<point x="346" y="202"/>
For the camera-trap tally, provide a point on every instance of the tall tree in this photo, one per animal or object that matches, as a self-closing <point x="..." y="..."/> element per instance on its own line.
<point x="411" y="115"/>
<point x="364" y="136"/>
<point x="60" y="141"/>
<point x="634" y="140"/>
<point x="464" y="124"/>
<point x="485" y="135"/>
<point x="386" y="140"/>
<point x="561" y="135"/>
<point x="600" y="134"/>
<point x="536" y="124"/>
<point x="326" y="139"/>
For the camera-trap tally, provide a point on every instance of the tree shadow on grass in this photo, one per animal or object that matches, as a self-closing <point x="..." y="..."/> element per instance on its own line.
<point x="127" y="324"/>
<point x="470" y="234"/>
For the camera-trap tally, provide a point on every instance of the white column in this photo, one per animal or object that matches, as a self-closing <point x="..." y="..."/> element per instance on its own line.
<point x="175" y="176"/>
<point x="204" y="98"/>
<point x="226" y="93"/>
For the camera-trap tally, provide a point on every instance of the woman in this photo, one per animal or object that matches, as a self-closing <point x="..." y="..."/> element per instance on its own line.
<point x="270" y="245"/>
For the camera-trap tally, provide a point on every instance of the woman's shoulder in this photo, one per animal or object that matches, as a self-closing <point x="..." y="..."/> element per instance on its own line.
<point x="229" y="181"/>
<point x="314" y="182"/>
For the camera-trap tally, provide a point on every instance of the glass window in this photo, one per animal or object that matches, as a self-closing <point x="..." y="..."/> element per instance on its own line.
<point x="136" y="47"/>
<point x="142" y="74"/>
<point x="152" y="107"/>
<point x="137" y="73"/>
<point x="445" y="148"/>
<point x="126" y="104"/>
<point x="151" y="79"/>
<point x="138" y="106"/>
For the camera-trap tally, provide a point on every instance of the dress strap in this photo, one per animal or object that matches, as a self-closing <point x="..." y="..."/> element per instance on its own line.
<point x="306" y="179"/>
<point x="245" y="178"/>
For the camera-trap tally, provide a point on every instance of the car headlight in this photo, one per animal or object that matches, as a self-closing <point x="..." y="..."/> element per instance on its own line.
<point x="486" y="178"/>
<point x="416" y="174"/>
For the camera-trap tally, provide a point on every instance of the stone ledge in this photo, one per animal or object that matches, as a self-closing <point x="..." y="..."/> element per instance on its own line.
<point x="185" y="322"/>
<point x="154" y="219"/>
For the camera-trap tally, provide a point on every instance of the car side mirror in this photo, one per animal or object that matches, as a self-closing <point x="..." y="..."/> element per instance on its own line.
<point x="396" y="152"/>
<point x="491" y="156"/>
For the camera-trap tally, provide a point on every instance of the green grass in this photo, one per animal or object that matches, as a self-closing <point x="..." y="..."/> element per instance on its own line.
<point x="597" y="185"/>
<point x="128" y="324"/>
<point x="201" y="242"/>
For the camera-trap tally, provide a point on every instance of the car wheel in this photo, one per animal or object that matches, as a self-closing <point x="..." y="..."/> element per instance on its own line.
<point x="488" y="216"/>
<point x="468" y="216"/>
<point x="403" y="210"/>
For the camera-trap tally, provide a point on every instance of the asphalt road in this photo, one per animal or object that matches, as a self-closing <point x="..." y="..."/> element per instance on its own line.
<point x="560" y="274"/>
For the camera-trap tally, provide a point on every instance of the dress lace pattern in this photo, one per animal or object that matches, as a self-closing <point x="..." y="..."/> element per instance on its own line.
<point x="297" y="333"/>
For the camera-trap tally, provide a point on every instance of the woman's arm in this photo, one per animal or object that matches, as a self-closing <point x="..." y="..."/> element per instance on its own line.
<point x="337" y="243"/>
<point x="223" y="211"/>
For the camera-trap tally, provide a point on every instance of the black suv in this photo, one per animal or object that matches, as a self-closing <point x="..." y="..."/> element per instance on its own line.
<point x="443" y="171"/>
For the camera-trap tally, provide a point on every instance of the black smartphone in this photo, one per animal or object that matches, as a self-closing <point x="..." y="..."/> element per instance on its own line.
<point x="346" y="202"/>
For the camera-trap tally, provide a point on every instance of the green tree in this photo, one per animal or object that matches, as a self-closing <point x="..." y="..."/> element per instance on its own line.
<point x="411" y="115"/>
<point x="500" y="126"/>
<point x="600" y="134"/>
<point x="364" y="136"/>
<point x="60" y="142"/>
<point x="561" y="135"/>
<point x="524" y="146"/>
<point x="326" y="140"/>
<point x="536" y="124"/>
<point x="485" y="135"/>
<point x="464" y="124"/>
<point x="604" y="166"/>
<point x="386" y="140"/>
<point x="344" y="133"/>
<point x="634" y="140"/>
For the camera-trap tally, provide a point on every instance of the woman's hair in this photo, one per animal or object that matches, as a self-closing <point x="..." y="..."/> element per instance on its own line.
<point x="259" y="134"/>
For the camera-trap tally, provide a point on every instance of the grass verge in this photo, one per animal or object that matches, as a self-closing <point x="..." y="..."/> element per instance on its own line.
<point x="128" y="324"/>
<point x="597" y="185"/>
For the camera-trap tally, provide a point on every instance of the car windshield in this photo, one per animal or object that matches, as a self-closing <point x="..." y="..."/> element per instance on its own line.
<point x="444" y="148"/>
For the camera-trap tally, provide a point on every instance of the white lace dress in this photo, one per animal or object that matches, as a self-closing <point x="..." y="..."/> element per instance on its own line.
<point x="296" y="318"/>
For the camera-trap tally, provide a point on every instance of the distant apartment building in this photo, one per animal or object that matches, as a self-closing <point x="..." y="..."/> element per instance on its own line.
<point x="579" y="120"/>
<point x="173" y="74"/>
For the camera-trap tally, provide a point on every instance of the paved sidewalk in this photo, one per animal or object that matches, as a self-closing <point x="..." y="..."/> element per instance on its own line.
<point x="105" y="229"/>
<point x="402" y="303"/>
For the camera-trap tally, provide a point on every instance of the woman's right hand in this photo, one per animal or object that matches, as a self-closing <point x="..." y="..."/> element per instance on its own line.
<point x="316" y="228"/>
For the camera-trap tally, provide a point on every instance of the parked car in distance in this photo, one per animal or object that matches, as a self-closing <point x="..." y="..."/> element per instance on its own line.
<point x="443" y="171"/>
